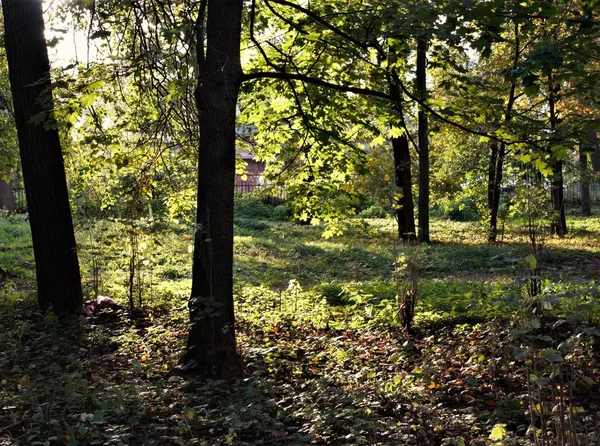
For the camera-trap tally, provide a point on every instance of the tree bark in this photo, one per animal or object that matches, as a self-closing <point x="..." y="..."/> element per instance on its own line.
<point x="405" y="213"/>
<point x="211" y="347"/>
<point x="497" y="168"/>
<point x="7" y="198"/>
<point x="592" y="139"/>
<point x="57" y="267"/>
<point x="584" y="182"/>
<point x="421" y="81"/>
<point x="559" y="223"/>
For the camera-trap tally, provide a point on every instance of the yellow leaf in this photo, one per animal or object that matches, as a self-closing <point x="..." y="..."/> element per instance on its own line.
<point x="25" y="381"/>
<point x="498" y="432"/>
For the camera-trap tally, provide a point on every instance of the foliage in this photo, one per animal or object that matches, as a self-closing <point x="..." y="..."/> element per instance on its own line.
<point x="252" y="207"/>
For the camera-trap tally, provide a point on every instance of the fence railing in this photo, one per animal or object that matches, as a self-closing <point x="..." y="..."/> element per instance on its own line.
<point x="256" y="182"/>
<point x="250" y="184"/>
<point x="572" y="193"/>
<point x="20" y="200"/>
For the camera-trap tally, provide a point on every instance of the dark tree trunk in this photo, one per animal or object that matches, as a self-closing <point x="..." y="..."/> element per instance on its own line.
<point x="7" y="197"/>
<point x="559" y="223"/>
<point x="496" y="170"/>
<point x="57" y="268"/>
<point x="211" y="344"/>
<point x="584" y="182"/>
<point x="592" y="139"/>
<point x="404" y="205"/>
<point x="421" y="82"/>
<point x="492" y="174"/>
<point x="405" y="213"/>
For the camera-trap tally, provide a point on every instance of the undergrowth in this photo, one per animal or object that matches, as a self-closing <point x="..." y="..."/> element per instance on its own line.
<point x="318" y="329"/>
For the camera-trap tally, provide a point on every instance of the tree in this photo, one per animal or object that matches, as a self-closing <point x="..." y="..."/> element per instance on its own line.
<point x="57" y="267"/>
<point x="7" y="198"/>
<point x="421" y="81"/>
<point x="211" y="347"/>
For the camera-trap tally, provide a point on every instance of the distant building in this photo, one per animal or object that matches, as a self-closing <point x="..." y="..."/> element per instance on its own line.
<point x="253" y="173"/>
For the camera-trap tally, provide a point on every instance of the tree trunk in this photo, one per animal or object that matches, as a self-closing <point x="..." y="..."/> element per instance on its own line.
<point x="211" y="343"/>
<point x="559" y="223"/>
<point x="421" y="82"/>
<point x="57" y="267"/>
<point x="592" y="138"/>
<point x="405" y="213"/>
<point x="494" y="188"/>
<point x="584" y="182"/>
<point x="7" y="198"/>
<point x="492" y="174"/>
<point x="498" y="152"/>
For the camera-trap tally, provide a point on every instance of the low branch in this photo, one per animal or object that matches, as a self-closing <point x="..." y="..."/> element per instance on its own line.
<point x="315" y="81"/>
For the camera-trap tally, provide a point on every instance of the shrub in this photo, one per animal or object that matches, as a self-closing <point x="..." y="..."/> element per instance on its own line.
<point x="374" y="211"/>
<point x="251" y="206"/>
<point x="461" y="209"/>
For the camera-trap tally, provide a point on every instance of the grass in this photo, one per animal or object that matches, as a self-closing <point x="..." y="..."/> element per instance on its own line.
<point x="317" y="328"/>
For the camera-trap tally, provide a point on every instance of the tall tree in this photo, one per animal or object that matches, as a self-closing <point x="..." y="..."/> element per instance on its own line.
<point x="7" y="198"/>
<point x="421" y="81"/>
<point x="584" y="182"/>
<point x="211" y="342"/>
<point x="57" y="267"/>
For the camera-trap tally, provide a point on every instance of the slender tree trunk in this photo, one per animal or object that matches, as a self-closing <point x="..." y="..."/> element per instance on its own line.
<point x="211" y="343"/>
<point x="57" y="267"/>
<point x="404" y="206"/>
<point x="421" y="82"/>
<point x="595" y="147"/>
<point x="584" y="182"/>
<point x="559" y="224"/>
<point x="492" y="174"/>
<point x="7" y="198"/>
<point x="498" y="152"/>
<point x="498" y="168"/>
<point x="405" y="213"/>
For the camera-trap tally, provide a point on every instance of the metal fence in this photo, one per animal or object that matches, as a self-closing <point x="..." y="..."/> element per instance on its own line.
<point x="20" y="200"/>
<point x="255" y="183"/>
<point x="572" y="193"/>
<point x="252" y="183"/>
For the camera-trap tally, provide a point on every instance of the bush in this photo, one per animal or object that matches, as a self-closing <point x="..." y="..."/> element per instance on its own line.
<point x="251" y="206"/>
<point x="333" y="293"/>
<point x="461" y="209"/>
<point x="374" y="211"/>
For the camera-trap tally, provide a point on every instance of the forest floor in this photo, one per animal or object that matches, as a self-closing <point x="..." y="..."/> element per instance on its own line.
<point x="325" y="359"/>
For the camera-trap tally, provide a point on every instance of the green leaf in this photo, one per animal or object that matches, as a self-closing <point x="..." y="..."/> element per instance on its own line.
<point x="534" y="323"/>
<point x="530" y="262"/>
<point x="592" y="331"/>
<point x="520" y="353"/>
<point x="395" y="132"/>
<point x="550" y="355"/>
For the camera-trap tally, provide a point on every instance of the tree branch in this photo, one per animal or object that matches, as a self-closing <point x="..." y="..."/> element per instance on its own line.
<point x="321" y="21"/>
<point x="315" y="81"/>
